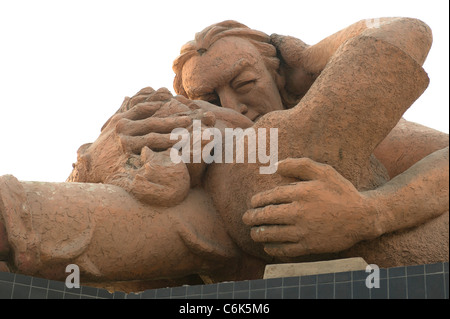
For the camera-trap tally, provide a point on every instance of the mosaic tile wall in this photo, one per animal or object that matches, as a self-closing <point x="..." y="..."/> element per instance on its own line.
<point x="411" y="282"/>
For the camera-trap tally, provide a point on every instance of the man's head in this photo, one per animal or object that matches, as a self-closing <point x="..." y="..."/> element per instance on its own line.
<point x="231" y="65"/>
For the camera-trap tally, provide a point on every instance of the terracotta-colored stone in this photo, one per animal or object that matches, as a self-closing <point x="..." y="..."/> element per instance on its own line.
<point x="354" y="178"/>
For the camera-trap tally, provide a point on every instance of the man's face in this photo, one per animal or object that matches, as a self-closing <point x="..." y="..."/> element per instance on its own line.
<point x="232" y="74"/>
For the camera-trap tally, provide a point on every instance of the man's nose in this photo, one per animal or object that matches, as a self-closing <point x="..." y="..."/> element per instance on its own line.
<point x="229" y="100"/>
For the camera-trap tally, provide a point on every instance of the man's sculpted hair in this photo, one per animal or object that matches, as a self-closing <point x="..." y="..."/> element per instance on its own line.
<point x="206" y="38"/>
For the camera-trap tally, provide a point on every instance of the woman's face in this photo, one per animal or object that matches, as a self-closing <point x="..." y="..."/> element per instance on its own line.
<point x="232" y="74"/>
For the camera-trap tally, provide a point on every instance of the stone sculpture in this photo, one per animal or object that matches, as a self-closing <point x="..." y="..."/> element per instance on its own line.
<point x="354" y="178"/>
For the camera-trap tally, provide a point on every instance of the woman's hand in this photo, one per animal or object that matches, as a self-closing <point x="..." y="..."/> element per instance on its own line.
<point x="133" y="149"/>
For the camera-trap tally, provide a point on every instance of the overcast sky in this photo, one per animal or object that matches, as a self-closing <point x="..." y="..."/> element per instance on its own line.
<point x="65" y="66"/>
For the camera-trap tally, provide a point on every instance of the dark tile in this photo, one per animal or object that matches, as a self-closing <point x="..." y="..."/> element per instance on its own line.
<point x="242" y="294"/>
<point x="209" y="296"/>
<point x="415" y="270"/>
<point x="53" y="294"/>
<point x="130" y="296"/>
<point x="87" y="297"/>
<point x="56" y="285"/>
<point x="179" y="291"/>
<point x="209" y="289"/>
<point x="103" y="293"/>
<point x="68" y="295"/>
<point x="258" y="294"/>
<point x="225" y="287"/>
<point x="434" y="268"/>
<point x="7" y="276"/>
<point x="381" y="292"/>
<point x="22" y="279"/>
<point x="343" y="290"/>
<point x="161" y="293"/>
<point x="21" y="292"/>
<point x="397" y="272"/>
<point x="446" y="285"/>
<point x="343" y="276"/>
<point x="446" y="267"/>
<point x="89" y="291"/>
<point x="39" y="282"/>
<point x="194" y="290"/>
<point x="325" y="278"/>
<point x="119" y="295"/>
<point x="360" y="275"/>
<point x="6" y="289"/>
<point x="308" y="280"/>
<point x="74" y="290"/>
<point x="274" y="282"/>
<point x="291" y="292"/>
<point x="360" y="290"/>
<point x="291" y="281"/>
<point x="274" y="293"/>
<point x="308" y="292"/>
<point x="258" y="284"/>
<point x="193" y="296"/>
<point x="225" y="295"/>
<point x="416" y="287"/>
<point x="397" y="288"/>
<point x="325" y="291"/>
<point x="38" y="293"/>
<point x="435" y="286"/>
<point x="241" y="285"/>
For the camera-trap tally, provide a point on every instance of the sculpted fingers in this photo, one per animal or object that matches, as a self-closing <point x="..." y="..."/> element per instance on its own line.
<point x="152" y="125"/>
<point x="139" y="111"/>
<point x="290" y="48"/>
<point x="154" y="141"/>
<point x="142" y="110"/>
<point x="284" y="214"/>
<point x="275" y="234"/>
<point x="162" y="94"/>
<point x="304" y="169"/>
<point x="189" y="103"/>
<point x="281" y="195"/>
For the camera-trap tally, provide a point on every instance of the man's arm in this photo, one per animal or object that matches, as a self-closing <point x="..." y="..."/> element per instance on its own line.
<point x="324" y="213"/>
<point x="301" y="63"/>
<point x="359" y="97"/>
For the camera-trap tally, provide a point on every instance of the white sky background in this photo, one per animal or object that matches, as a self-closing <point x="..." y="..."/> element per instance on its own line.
<point x="65" y="66"/>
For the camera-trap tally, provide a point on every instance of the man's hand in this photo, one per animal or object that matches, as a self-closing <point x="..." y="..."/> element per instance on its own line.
<point x="321" y="213"/>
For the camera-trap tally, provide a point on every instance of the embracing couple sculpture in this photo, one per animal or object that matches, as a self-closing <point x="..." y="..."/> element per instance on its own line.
<point x="353" y="177"/>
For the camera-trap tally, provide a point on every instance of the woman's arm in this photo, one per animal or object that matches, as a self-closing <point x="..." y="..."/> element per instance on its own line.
<point x="418" y="194"/>
<point x="407" y="144"/>
<point x="324" y="213"/>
